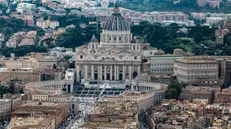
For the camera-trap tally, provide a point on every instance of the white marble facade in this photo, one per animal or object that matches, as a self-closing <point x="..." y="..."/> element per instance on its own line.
<point x="117" y="57"/>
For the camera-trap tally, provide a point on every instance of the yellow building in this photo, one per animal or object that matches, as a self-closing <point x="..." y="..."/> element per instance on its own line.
<point x="25" y="75"/>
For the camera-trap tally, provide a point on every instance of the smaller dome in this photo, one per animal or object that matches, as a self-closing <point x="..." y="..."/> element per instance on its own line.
<point x="94" y="39"/>
<point x="133" y="40"/>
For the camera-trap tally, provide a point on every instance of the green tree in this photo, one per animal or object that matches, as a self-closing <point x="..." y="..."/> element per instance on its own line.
<point x="197" y="37"/>
<point x="12" y="86"/>
<point x="71" y="65"/>
<point x="228" y="39"/>
<point x="168" y="95"/>
<point x="209" y="52"/>
<point x="67" y="57"/>
<point x="3" y="90"/>
<point x="228" y="51"/>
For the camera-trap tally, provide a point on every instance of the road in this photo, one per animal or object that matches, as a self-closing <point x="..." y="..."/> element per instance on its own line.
<point x="85" y="108"/>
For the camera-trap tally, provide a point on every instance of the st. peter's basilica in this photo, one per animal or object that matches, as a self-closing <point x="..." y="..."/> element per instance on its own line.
<point x="116" y="57"/>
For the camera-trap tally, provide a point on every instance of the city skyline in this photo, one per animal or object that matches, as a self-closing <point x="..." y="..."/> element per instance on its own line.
<point x="131" y="64"/>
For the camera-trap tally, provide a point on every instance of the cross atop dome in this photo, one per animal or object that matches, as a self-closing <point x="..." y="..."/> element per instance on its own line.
<point x="116" y="5"/>
<point x="116" y="8"/>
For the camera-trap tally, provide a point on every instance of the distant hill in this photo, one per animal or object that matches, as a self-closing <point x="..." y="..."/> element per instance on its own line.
<point x="186" y="6"/>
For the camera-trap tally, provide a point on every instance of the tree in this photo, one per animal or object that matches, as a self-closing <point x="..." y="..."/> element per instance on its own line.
<point x="173" y="91"/>
<point x="12" y="86"/>
<point x="197" y="37"/>
<point x="168" y="95"/>
<point x="174" y="88"/>
<point x="3" y="90"/>
<point x="228" y="40"/>
<point x="71" y="65"/>
<point x="67" y="57"/>
<point x="209" y="52"/>
<point x="228" y="51"/>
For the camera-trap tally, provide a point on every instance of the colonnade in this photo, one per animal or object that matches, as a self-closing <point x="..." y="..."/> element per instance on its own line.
<point x="107" y="72"/>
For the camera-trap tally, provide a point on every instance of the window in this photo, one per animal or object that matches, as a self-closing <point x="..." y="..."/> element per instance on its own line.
<point x="81" y="57"/>
<point x="135" y="57"/>
<point x="115" y="38"/>
<point x="73" y="106"/>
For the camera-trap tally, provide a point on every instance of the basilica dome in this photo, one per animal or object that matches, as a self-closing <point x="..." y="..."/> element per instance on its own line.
<point x="116" y="22"/>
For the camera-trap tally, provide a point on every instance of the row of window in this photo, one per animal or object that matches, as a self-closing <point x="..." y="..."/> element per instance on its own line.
<point x="201" y="77"/>
<point x="115" y="38"/>
<point x="49" y="99"/>
<point x="161" y="70"/>
<point x="161" y="64"/>
<point x="198" y="65"/>
<point x="135" y="57"/>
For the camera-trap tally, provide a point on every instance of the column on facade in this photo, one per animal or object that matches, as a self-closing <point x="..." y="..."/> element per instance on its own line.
<point x="115" y="72"/>
<point x="98" y="72"/>
<point x="105" y="72"/>
<point x="92" y="72"/>
<point x="123" y="39"/>
<point x="130" y="72"/>
<point x="111" y="72"/>
<point x="118" y="72"/>
<point x="101" y="73"/>
<point x="104" y="38"/>
<point x="124" y="72"/>
<point x="77" y="73"/>
<point x="86" y="72"/>
<point x="138" y="69"/>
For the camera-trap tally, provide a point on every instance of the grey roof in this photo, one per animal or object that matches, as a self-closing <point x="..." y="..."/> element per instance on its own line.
<point x="116" y="22"/>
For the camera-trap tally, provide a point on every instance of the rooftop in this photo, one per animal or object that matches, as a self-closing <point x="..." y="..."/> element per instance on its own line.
<point x="196" y="60"/>
<point x="30" y="122"/>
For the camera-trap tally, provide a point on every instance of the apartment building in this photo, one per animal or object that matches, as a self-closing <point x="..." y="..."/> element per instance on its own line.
<point x="197" y="70"/>
<point x="165" y="16"/>
<point x="8" y="104"/>
<point x="163" y="64"/>
<point x="113" y="115"/>
<point x="39" y="115"/>
<point x="198" y="92"/>
<point x="144" y="100"/>
<point x="25" y="75"/>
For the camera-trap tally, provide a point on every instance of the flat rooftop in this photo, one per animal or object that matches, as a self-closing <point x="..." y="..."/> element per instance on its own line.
<point x="196" y="60"/>
<point x="30" y="122"/>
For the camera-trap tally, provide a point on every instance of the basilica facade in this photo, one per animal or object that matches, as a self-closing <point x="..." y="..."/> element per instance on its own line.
<point x="116" y="57"/>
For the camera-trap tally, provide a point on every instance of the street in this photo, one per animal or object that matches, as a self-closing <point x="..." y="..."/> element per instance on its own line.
<point x="78" y="120"/>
